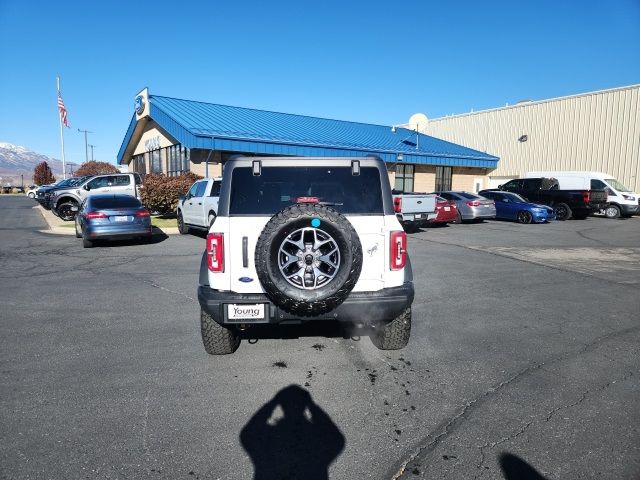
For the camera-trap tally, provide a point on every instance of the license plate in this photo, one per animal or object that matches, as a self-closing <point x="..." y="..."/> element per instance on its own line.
<point x="236" y="312"/>
<point x="121" y="218"/>
<point x="419" y="215"/>
<point x="446" y="209"/>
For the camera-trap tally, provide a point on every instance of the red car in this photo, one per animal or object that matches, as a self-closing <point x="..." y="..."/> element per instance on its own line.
<point x="447" y="211"/>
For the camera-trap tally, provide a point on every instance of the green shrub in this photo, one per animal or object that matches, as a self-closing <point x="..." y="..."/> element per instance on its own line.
<point x="160" y="193"/>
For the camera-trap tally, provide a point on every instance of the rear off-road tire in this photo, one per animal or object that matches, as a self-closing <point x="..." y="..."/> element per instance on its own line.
<point x="395" y="334"/>
<point x="217" y="339"/>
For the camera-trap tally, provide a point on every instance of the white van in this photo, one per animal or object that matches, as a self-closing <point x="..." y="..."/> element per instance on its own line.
<point x="622" y="201"/>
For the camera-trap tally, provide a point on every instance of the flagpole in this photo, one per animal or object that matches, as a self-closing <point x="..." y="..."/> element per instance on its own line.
<point x="64" y="168"/>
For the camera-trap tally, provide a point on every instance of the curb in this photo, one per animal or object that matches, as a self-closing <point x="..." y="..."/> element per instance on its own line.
<point x="56" y="228"/>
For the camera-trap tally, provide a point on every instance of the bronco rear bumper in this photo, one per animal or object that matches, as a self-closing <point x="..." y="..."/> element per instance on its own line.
<point x="365" y="307"/>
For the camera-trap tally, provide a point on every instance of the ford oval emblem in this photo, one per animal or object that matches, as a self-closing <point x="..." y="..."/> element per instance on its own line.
<point x="246" y="279"/>
<point x="139" y="104"/>
<point x="419" y="202"/>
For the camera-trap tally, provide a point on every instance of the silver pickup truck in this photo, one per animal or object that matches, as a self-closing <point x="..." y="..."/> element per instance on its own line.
<point x="199" y="207"/>
<point x="414" y="210"/>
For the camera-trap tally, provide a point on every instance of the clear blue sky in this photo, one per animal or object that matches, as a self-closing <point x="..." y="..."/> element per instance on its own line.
<point x="366" y="61"/>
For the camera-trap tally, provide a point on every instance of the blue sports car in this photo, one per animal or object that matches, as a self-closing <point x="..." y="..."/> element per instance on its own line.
<point x="511" y="206"/>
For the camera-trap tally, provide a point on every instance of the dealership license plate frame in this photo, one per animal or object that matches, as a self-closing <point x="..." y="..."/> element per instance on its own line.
<point x="229" y="317"/>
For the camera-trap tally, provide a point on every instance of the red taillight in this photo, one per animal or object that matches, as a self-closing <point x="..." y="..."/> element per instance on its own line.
<point x="397" y="204"/>
<point x="473" y="203"/>
<point x="398" y="250"/>
<point x="215" y="252"/>
<point x="143" y="213"/>
<point x="307" y="200"/>
<point x="586" y="196"/>
<point x="95" y="215"/>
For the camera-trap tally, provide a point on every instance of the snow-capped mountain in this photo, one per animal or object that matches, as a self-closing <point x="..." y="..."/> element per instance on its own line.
<point x="16" y="160"/>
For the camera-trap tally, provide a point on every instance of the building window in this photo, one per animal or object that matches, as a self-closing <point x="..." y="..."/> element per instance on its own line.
<point x="156" y="164"/>
<point x="404" y="178"/>
<point x="139" y="164"/>
<point x="443" y="178"/>
<point x="177" y="160"/>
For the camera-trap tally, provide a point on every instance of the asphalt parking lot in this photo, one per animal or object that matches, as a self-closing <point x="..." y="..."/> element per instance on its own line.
<point x="525" y="354"/>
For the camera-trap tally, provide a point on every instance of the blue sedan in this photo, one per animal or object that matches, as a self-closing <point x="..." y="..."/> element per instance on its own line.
<point x="112" y="217"/>
<point x="511" y="206"/>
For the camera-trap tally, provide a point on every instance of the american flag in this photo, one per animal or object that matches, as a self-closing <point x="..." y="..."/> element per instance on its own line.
<point x="63" y="111"/>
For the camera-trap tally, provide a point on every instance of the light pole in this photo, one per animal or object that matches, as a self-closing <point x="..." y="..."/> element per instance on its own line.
<point x="91" y="151"/>
<point x="86" y="145"/>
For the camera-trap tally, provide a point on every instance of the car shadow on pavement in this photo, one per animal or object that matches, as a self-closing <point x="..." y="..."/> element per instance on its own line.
<point x="515" y="468"/>
<point x="158" y="237"/>
<point x="290" y="436"/>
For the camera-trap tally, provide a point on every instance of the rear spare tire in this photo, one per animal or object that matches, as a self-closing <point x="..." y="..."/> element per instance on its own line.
<point x="308" y="258"/>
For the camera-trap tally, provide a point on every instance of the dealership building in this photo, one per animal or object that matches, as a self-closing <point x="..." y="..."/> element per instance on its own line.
<point x="174" y="136"/>
<point x="595" y="131"/>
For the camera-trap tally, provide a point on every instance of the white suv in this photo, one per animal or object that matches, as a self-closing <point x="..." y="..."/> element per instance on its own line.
<point x="305" y="239"/>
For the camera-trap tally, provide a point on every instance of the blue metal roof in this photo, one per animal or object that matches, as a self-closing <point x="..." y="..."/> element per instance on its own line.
<point x="221" y="127"/>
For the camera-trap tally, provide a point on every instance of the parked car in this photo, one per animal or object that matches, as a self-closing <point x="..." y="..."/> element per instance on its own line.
<point x="305" y="241"/>
<point x="414" y="210"/>
<point x="44" y="194"/>
<point x="511" y="206"/>
<point x="622" y="202"/>
<point x="566" y="204"/>
<point x="446" y="212"/>
<point x="470" y="206"/>
<point x="63" y="200"/>
<point x="111" y="217"/>
<point x="31" y="191"/>
<point x="199" y="207"/>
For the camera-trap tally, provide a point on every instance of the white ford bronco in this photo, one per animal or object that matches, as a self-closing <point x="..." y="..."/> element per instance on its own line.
<point x="305" y="239"/>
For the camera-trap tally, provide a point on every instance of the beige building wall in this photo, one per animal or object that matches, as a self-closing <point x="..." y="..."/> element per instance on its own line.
<point x="461" y="179"/>
<point x="152" y="139"/>
<point x="425" y="178"/>
<point x="597" y="131"/>
<point x="198" y="160"/>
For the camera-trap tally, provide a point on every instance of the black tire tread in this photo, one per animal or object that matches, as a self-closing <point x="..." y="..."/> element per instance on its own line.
<point x="305" y="308"/>
<point x="395" y="334"/>
<point x="569" y="212"/>
<point x="618" y="215"/>
<point x="182" y="227"/>
<point x="217" y="340"/>
<point x="71" y="204"/>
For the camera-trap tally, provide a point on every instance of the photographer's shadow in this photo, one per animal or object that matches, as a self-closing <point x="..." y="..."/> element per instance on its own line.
<point x="291" y="437"/>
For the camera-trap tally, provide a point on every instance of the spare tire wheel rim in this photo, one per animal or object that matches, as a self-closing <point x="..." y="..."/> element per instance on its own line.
<point x="309" y="258"/>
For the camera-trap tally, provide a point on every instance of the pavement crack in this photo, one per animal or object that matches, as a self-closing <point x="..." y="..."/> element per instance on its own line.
<point x="547" y="417"/>
<point x="433" y="439"/>
<point x="164" y="289"/>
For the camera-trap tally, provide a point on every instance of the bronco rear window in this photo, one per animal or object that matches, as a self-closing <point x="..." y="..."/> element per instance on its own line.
<point x="279" y="187"/>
